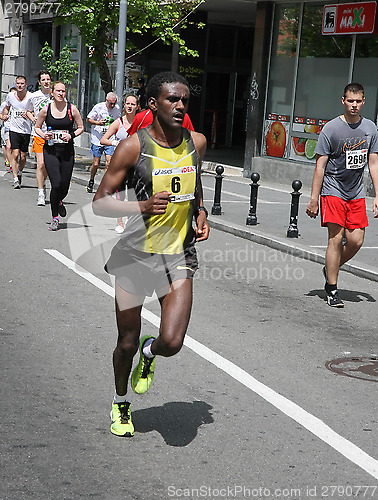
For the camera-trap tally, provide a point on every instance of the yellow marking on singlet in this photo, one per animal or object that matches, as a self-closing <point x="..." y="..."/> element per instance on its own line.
<point x="173" y="170"/>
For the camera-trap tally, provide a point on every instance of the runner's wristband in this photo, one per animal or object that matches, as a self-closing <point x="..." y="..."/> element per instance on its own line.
<point x="115" y="143"/>
<point x="204" y="210"/>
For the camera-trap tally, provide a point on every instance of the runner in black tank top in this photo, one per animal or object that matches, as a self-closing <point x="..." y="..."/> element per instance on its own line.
<point x="162" y="164"/>
<point x="59" y="157"/>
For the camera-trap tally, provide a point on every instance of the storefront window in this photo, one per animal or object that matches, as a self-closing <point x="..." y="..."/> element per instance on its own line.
<point x="282" y="64"/>
<point x="322" y="69"/>
<point x="365" y="71"/>
<point x="281" y="80"/>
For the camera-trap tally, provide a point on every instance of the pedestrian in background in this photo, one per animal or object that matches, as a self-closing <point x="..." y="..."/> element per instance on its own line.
<point x="141" y="93"/>
<point x="101" y="116"/>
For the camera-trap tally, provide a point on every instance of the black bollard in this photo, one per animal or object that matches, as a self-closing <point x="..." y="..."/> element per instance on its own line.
<point x="252" y="218"/>
<point x="292" y="231"/>
<point x="216" y="208"/>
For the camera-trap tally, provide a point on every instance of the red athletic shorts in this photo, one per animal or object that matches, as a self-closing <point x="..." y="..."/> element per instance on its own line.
<point x="38" y="143"/>
<point x="346" y="213"/>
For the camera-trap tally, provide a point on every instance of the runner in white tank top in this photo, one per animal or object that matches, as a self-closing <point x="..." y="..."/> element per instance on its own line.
<point x="118" y="131"/>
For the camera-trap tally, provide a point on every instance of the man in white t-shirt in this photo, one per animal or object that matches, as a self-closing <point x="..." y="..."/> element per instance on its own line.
<point x="37" y="101"/>
<point x="5" y="142"/>
<point x="19" y="128"/>
<point x="101" y="117"/>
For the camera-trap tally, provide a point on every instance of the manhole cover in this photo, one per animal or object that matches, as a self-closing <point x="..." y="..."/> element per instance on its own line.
<point x="364" y="368"/>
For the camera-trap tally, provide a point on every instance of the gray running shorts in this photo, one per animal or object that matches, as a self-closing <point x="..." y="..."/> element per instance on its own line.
<point x="141" y="273"/>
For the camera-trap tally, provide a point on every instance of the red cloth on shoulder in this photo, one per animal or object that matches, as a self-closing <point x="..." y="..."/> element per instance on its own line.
<point x="144" y="118"/>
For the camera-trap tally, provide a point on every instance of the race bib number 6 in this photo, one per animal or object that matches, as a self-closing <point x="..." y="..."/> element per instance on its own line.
<point x="180" y="181"/>
<point x="356" y="159"/>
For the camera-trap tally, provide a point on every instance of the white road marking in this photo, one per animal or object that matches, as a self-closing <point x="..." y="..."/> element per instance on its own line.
<point x="248" y="183"/>
<point x="81" y="271"/>
<point x="362" y="248"/>
<point x="245" y="197"/>
<point x="292" y="410"/>
<point x="230" y="193"/>
<point x="238" y="201"/>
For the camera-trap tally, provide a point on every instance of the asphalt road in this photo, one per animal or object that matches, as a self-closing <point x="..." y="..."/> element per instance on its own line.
<point x="247" y="409"/>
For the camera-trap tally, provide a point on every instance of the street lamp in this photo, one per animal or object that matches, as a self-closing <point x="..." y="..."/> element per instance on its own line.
<point x="120" y="72"/>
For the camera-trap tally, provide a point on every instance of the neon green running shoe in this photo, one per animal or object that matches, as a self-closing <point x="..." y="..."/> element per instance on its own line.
<point x="143" y="374"/>
<point x="121" y="420"/>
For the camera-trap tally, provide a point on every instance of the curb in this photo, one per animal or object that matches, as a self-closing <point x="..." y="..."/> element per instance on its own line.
<point x="210" y="166"/>
<point x="302" y="252"/>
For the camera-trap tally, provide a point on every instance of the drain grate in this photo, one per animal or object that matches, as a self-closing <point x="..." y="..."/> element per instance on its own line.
<point x="360" y="367"/>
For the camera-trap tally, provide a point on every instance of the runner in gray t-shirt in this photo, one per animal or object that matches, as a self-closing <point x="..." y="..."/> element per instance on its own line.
<point x="346" y="145"/>
<point x="340" y="141"/>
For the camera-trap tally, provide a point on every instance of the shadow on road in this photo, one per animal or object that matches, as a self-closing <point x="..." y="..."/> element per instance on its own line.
<point x="345" y="295"/>
<point x="71" y="225"/>
<point x="177" y="422"/>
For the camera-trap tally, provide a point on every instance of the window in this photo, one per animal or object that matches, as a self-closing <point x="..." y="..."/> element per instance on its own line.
<point x="365" y="71"/>
<point x="282" y="64"/>
<point x="322" y="68"/>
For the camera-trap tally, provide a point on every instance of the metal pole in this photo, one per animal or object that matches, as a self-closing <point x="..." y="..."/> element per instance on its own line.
<point x="252" y="217"/>
<point x="217" y="208"/>
<point x="293" y="231"/>
<point x="120" y="72"/>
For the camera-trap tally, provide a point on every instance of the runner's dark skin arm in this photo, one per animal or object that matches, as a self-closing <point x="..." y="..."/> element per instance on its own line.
<point x="202" y="226"/>
<point x="124" y="158"/>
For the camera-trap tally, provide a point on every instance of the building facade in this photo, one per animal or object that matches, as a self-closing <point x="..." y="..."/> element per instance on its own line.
<point x="219" y="77"/>
<point x="268" y="77"/>
<point x="303" y="58"/>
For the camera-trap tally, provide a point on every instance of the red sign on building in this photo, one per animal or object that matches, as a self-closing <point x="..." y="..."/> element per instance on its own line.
<point x="349" y="18"/>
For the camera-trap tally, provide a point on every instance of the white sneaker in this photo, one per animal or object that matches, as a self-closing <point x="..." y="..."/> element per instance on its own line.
<point x="41" y="200"/>
<point x="16" y="183"/>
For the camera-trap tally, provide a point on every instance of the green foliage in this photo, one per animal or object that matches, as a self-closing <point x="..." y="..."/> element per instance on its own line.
<point x="63" y="66"/>
<point x="47" y="56"/>
<point x="98" y="20"/>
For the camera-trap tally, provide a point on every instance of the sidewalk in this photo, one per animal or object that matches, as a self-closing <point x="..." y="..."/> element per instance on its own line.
<point x="273" y="213"/>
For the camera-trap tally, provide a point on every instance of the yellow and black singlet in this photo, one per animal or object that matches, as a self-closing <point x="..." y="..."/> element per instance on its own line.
<point x="162" y="168"/>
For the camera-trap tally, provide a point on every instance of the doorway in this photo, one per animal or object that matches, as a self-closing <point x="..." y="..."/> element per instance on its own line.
<point x="225" y="109"/>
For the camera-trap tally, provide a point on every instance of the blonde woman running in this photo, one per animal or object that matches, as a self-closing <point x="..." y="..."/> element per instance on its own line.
<point x="118" y="131"/>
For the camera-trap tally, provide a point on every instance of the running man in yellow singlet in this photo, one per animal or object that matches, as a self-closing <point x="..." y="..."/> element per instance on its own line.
<point x="156" y="253"/>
